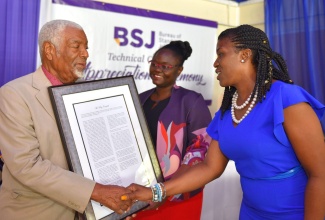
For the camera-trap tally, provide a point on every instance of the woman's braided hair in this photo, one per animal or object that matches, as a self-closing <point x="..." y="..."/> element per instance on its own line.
<point x="249" y="37"/>
<point x="182" y="49"/>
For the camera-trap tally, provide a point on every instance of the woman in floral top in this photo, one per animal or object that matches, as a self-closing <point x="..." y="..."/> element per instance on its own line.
<point x="177" y="119"/>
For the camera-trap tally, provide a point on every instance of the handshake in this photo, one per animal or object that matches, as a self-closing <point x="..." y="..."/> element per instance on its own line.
<point x="120" y="199"/>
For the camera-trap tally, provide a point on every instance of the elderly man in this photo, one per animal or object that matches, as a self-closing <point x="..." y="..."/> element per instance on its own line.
<point x="36" y="181"/>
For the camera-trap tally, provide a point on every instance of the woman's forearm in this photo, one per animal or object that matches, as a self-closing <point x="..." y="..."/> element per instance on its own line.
<point x="315" y="199"/>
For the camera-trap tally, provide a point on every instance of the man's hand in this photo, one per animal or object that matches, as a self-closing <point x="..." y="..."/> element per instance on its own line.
<point x="110" y="196"/>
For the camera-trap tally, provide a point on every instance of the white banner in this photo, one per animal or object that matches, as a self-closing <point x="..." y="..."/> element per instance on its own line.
<point x="123" y="39"/>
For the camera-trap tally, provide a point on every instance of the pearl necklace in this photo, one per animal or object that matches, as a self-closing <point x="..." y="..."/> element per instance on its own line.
<point x="234" y="101"/>
<point x="235" y="106"/>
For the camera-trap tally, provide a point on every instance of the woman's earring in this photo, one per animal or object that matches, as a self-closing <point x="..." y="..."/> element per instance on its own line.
<point x="243" y="61"/>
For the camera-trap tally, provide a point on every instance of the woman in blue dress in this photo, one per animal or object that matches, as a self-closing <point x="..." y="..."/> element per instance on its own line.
<point x="268" y="126"/>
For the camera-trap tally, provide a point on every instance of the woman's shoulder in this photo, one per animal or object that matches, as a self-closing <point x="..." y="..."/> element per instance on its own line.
<point x="289" y="91"/>
<point x="185" y="92"/>
<point x="290" y="94"/>
<point x="145" y="93"/>
<point x="187" y="98"/>
<point x="284" y="85"/>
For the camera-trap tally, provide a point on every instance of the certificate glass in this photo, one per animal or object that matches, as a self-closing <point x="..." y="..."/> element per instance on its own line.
<point x="105" y="136"/>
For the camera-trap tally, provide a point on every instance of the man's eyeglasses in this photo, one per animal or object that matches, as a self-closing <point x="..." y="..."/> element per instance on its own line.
<point x="163" y="67"/>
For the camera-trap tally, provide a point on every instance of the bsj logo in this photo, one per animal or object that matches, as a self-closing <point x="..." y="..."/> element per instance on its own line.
<point x="124" y="38"/>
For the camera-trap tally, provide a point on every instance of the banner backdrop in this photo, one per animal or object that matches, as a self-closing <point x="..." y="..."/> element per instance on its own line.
<point x="123" y="39"/>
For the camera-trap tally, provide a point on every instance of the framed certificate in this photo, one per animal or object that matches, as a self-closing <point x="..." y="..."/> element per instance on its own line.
<point x="105" y="136"/>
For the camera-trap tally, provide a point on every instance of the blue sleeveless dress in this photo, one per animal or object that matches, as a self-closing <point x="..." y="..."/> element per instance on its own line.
<point x="272" y="179"/>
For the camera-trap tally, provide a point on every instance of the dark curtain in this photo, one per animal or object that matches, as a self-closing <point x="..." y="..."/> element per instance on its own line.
<point x="18" y="38"/>
<point x="296" y="29"/>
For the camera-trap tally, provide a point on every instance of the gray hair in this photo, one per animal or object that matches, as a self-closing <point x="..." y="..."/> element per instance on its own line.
<point x="51" y="32"/>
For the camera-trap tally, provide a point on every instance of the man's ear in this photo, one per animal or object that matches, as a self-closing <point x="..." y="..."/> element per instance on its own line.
<point x="48" y="50"/>
<point x="246" y="54"/>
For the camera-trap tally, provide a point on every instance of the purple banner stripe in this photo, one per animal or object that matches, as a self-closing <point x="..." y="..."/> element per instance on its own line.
<point x="136" y="11"/>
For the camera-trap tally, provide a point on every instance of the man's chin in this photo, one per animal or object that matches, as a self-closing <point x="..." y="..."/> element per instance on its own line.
<point x="79" y="74"/>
